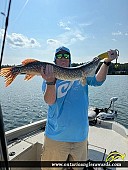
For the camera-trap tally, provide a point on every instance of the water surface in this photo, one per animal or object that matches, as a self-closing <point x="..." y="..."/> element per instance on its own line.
<point x="22" y="102"/>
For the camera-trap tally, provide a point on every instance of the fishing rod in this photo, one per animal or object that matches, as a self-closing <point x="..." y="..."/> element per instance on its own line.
<point x="3" y="144"/>
<point x="6" y="26"/>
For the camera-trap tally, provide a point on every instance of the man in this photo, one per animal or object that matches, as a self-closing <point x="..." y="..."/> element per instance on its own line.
<point x="67" y="124"/>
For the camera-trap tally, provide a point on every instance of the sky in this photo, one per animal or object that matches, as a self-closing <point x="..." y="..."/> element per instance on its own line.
<point x="87" y="27"/>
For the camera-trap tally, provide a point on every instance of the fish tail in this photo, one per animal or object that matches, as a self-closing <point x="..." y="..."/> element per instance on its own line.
<point x="9" y="75"/>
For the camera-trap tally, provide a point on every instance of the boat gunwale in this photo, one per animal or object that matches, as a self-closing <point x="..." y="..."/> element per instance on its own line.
<point x="29" y="129"/>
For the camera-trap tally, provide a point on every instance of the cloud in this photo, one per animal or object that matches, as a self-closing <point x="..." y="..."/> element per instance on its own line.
<point x="61" y="24"/>
<point x="20" y="41"/>
<point x="53" y="42"/>
<point x="85" y="24"/>
<point x="117" y="33"/>
<point x="65" y="25"/>
<point x="1" y="33"/>
<point x="114" y="39"/>
<point x="67" y="38"/>
<point x="119" y="24"/>
<point x="71" y="37"/>
<point x="80" y="37"/>
<point x="72" y="32"/>
<point x="67" y="28"/>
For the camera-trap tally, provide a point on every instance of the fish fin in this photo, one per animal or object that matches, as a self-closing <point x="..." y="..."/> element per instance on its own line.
<point x="28" y="61"/>
<point x="83" y="78"/>
<point x="83" y="81"/>
<point x="28" y="76"/>
<point x="9" y="76"/>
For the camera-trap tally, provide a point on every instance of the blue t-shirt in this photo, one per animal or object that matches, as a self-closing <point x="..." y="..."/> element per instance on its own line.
<point x="67" y="118"/>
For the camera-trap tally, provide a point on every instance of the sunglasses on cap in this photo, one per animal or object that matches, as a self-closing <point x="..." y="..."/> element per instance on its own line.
<point x="65" y="56"/>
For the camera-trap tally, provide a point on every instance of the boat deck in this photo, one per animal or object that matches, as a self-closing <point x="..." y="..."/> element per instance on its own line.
<point x="107" y="139"/>
<point x="103" y="138"/>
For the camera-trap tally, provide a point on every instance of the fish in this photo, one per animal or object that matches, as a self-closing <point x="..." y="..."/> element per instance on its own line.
<point x="32" y="67"/>
<point x="115" y="155"/>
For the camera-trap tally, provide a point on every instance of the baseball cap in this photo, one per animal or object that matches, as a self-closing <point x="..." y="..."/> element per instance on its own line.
<point x="62" y="49"/>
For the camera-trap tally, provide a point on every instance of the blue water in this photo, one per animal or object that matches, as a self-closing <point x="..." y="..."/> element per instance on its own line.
<point x="22" y="102"/>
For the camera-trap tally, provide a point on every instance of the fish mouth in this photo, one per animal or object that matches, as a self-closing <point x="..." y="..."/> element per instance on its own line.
<point x="96" y="61"/>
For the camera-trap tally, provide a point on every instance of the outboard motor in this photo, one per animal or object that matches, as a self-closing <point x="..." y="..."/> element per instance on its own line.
<point x="92" y="115"/>
<point x="103" y="114"/>
<point x="113" y="99"/>
<point x="108" y="113"/>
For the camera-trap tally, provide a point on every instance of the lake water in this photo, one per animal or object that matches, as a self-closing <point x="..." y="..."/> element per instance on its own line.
<point x="22" y="102"/>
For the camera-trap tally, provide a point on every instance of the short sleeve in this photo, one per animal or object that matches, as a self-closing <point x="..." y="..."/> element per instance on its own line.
<point x="93" y="82"/>
<point x="43" y="86"/>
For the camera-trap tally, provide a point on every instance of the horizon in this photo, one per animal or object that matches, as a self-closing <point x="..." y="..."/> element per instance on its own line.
<point x="113" y="62"/>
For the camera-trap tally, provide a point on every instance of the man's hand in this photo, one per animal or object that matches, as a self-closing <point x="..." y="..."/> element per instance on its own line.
<point x="113" y="54"/>
<point x="48" y="73"/>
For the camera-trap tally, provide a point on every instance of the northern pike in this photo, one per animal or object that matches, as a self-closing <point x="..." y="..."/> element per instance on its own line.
<point x="32" y="67"/>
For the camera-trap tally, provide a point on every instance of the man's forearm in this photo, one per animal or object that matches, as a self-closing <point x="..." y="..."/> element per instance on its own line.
<point x="50" y="94"/>
<point x="103" y="71"/>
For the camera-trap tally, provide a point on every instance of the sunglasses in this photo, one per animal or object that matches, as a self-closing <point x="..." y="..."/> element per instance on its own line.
<point x="66" y="56"/>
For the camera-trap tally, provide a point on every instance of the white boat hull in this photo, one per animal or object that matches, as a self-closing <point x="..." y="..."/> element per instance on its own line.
<point x="25" y="143"/>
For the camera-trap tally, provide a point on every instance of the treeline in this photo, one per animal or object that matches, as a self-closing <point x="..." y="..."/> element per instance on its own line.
<point x="118" y="69"/>
<point x="114" y="69"/>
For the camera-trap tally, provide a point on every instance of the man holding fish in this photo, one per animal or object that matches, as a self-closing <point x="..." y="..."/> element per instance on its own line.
<point x="67" y="126"/>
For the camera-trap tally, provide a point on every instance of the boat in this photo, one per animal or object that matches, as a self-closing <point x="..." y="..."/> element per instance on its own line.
<point x="105" y="137"/>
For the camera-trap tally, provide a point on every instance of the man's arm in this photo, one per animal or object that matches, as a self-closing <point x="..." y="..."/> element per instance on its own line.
<point x="50" y="91"/>
<point x="50" y="94"/>
<point x="103" y="71"/>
